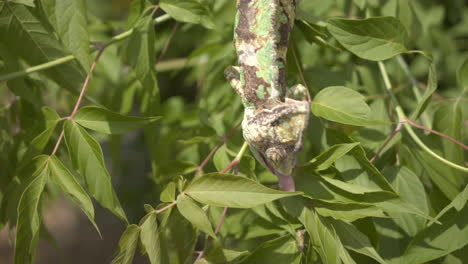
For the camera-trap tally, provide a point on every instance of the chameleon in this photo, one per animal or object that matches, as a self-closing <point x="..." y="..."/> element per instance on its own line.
<point x="275" y="116"/>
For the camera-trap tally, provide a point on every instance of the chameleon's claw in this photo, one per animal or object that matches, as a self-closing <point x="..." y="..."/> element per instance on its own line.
<point x="232" y="74"/>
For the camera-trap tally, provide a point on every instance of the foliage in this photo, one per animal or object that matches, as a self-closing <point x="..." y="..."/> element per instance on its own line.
<point x="372" y="186"/>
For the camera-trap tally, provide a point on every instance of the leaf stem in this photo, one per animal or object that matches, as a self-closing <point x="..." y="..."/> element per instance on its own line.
<point x="403" y="119"/>
<point x="165" y="207"/>
<point x="392" y="135"/>
<point x="414" y="83"/>
<point x="101" y="49"/>
<point x="213" y="151"/>
<point x="69" y="58"/>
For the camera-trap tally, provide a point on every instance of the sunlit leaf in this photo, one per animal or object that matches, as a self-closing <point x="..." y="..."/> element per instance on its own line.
<point x="377" y="38"/>
<point x="280" y="250"/>
<point x="67" y="182"/>
<point x="150" y="239"/>
<point x="192" y="212"/>
<point x="343" y="105"/>
<point x="189" y="11"/>
<point x="68" y="17"/>
<point x="232" y="191"/>
<point x="105" y="121"/>
<point x="37" y="45"/>
<point x="127" y="245"/>
<point x="438" y="240"/>
<point x="431" y="88"/>
<point x="29" y="215"/>
<point x="86" y="155"/>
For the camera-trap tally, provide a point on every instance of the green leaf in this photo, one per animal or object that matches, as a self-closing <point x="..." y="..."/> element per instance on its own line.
<point x="462" y="75"/>
<point x="141" y="55"/>
<point x="280" y="250"/>
<point x="127" y="245"/>
<point x="356" y="167"/>
<point x="217" y="254"/>
<point x="189" y="11"/>
<point x="343" y="105"/>
<point x="136" y="9"/>
<point x="192" y="212"/>
<point x="348" y="211"/>
<point x="232" y="191"/>
<point x="438" y="240"/>
<point x="410" y="188"/>
<point x="360" y="3"/>
<point x="314" y="35"/>
<point x="168" y="194"/>
<point x="149" y="237"/>
<point x="24" y="2"/>
<point x="431" y="88"/>
<point x="178" y="229"/>
<point x="29" y="216"/>
<point x="322" y="236"/>
<point x="60" y="175"/>
<point x="329" y="156"/>
<point x="68" y="17"/>
<point x="105" y="121"/>
<point x="356" y="241"/>
<point x="376" y="39"/>
<point x="37" y="45"/>
<point x="86" y="155"/>
<point x="40" y="141"/>
<point x="21" y="87"/>
<point x="454" y="128"/>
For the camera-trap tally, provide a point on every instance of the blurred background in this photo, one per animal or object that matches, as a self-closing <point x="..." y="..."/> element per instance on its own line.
<point x="199" y="107"/>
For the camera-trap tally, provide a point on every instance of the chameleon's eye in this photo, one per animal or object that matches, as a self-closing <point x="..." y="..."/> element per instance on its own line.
<point x="275" y="154"/>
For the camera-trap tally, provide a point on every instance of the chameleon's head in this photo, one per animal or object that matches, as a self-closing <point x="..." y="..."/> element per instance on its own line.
<point x="279" y="160"/>
<point x="275" y="136"/>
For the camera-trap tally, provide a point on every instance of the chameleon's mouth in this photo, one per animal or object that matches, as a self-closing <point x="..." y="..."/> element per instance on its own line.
<point x="271" y="168"/>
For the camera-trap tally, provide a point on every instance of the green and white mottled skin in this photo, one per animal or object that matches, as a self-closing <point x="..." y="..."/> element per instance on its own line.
<point x="275" y="116"/>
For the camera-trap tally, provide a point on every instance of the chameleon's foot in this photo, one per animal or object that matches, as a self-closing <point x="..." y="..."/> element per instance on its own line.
<point x="286" y="183"/>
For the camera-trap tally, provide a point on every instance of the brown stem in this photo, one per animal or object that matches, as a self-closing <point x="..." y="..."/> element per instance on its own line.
<point x="210" y="242"/>
<point x="86" y="82"/>
<point x="82" y="92"/>
<point x="392" y="135"/>
<point x="213" y="151"/>
<point x="58" y="143"/>
<point x="166" y="207"/>
<point x="169" y="39"/>
<point x="437" y="133"/>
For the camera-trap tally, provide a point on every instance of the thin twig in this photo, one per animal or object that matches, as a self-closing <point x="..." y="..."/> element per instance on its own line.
<point x="213" y="151"/>
<point x="102" y="47"/>
<point x="411" y="122"/>
<point x="86" y="82"/>
<point x="168" y="41"/>
<point x="407" y="125"/>
<point x="301" y="73"/>
<point x="57" y="144"/>
<point x="166" y="207"/>
<point x="201" y="253"/>
<point x="392" y="135"/>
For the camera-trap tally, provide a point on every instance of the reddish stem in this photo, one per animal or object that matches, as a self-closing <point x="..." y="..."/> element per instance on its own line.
<point x="86" y="82"/>
<point x="437" y="133"/>
<point x="82" y="92"/>
<point x="213" y="151"/>
<point x="166" y="207"/>
<point x="392" y="135"/>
